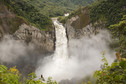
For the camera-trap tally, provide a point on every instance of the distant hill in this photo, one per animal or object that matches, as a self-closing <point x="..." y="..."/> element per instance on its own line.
<point x="54" y="8"/>
<point x="38" y="12"/>
<point x="69" y="3"/>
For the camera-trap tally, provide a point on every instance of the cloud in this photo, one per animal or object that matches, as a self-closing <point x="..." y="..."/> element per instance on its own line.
<point x="11" y="50"/>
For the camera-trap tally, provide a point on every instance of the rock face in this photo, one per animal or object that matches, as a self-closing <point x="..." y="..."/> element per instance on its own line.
<point x="11" y="24"/>
<point x="79" y="26"/>
<point x="43" y="40"/>
<point x="73" y="33"/>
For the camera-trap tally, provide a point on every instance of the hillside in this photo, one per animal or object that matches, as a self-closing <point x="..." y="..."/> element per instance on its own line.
<point x="112" y="13"/>
<point x="109" y="11"/>
<point x="37" y="12"/>
<point x="19" y="28"/>
<point x="9" y="22"/>
<point x="29" y="12"/>
<point x="54" y="8"/>
<point x="108" y="15"/>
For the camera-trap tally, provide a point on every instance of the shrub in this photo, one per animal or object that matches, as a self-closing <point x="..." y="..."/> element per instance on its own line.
<point x="119" y="30"/>
<point x="114" y="74"/>
<point x="12" y="76"/>
<point x="109" y="11"/>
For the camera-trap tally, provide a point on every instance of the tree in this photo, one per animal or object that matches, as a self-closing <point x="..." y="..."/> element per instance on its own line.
<point x="12" y="76"/>
<point x="119" y="30"/>
<point x="114" y="74"/>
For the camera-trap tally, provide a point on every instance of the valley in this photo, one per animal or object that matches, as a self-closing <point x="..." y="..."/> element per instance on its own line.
<point x="62" y="42"/>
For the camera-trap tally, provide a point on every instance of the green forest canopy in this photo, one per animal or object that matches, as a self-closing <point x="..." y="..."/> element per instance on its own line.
<point x="38" y="12"/>
<point x="109" y="11"/>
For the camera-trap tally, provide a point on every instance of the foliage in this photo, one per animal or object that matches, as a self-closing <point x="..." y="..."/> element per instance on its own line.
<point x="71" y="4"/>
<point x="49" y="8"/>
<point x="76" y="12"/>
<point x="25" y="9"/>
<point x="12" y="76"/>
<point x="119" y="30"/>
<point x="15" y="22"/>
<point x="38" y="12"/>
<point x="110" y="11"/>
<point x="63" y="19"/>
<point x="114" y="74"/>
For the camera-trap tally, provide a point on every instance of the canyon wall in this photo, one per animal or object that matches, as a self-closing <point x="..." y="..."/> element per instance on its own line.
<point x="43" y="40"/>
<point x="80" y="26"/>
<point x="20" y="29"/>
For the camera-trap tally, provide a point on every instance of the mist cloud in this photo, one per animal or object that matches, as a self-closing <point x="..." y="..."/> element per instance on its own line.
<point x="11" y="50"/>
<point x="84" y="58"/>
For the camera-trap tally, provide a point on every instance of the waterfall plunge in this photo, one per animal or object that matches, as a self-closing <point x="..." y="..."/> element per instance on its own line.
<point x="61" y="41"/>
<point x="85" y="56"/>
<point x="53" y="66"/>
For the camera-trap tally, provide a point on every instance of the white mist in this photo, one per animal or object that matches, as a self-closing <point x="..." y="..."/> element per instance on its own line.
<point x="84" y="56"/>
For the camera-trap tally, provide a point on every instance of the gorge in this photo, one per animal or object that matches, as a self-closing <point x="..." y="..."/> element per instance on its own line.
<point x="76" y="58"/>
<point x="38" y="45"/>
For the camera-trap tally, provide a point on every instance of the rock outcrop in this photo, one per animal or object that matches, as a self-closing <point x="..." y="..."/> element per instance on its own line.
<point x="79" y="26"/>
<point x="15" y="27"/>
<point x="43" y="40"/>
<point x="11" y="24"/>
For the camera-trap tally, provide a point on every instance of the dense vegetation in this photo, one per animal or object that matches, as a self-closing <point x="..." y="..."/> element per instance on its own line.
<point x="50" y="8"/>
<point x="119" y="30"/>
<point x="114" y="74"/>
<point x="75" y="2"/>
<point x="12" y="76"/>
<point x="109" y="11"/>
<point x="63" y="19"/>
<point x="78" y="11"/>
<point x="54" y="8"/>
<point x="29" y="12"/>
<point x="38" y="12"/>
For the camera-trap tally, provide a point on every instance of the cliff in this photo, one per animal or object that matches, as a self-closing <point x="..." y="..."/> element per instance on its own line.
<point x="20" y="29"/>
<point x="43" y="40"/>
<point x="79" y="25"/>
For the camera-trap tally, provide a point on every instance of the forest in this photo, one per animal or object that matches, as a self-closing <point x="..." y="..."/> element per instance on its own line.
<point x="38" y="12"/>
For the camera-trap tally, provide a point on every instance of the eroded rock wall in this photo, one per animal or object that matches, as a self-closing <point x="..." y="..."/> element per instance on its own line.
<point x="80" y="26"/>
<point x="20" y="29"/>
<point x="44" y="41"/>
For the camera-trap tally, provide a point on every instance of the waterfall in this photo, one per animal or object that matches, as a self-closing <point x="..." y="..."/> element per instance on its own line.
<point x="61" y="41"/>
<point x="84" y="56"/>
<point x="53" y="66"/>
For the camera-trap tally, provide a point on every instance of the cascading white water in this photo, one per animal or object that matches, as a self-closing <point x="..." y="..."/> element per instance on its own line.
<point x="61" y="41"/>
<point x="53" y="66"/>
<point x="84" y="59"/>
